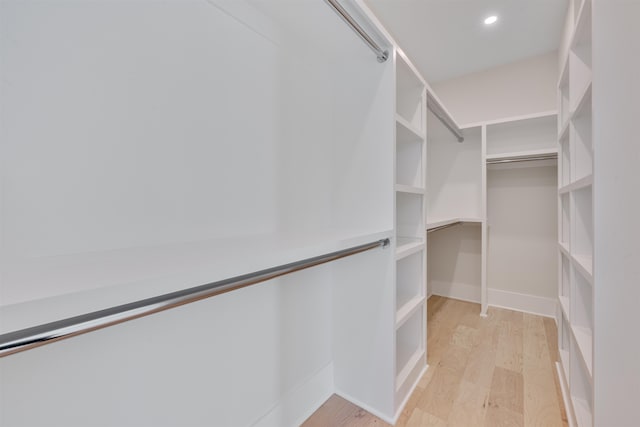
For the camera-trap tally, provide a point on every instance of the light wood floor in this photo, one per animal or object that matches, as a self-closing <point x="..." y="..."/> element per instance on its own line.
<point x="494" y="371"/>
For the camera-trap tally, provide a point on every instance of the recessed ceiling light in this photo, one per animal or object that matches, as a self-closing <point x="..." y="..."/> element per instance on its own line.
<point x="491" y="20"/>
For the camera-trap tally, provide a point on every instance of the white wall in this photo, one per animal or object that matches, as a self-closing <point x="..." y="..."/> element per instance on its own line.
<point x="616" y="108"/>
<point x="454" y="173"/>
<point x="520" y="88"/>
<point x="566" y="34"/>
<point x="522" y="220"/>
<point x="143" y="144"/>
<point x="455" y="262"/>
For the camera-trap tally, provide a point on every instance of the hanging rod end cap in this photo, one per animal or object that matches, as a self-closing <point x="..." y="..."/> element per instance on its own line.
<point x="383" y="56"/>
<point x="385" y="243"/>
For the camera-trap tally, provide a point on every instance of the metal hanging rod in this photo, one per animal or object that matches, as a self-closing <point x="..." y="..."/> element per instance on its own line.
<point x="382" y="54"/>
<point x="442" y="227"/>
<point x="441" y="114"/>
<point x="25" y="339"/>
<point x="522" y="159"/>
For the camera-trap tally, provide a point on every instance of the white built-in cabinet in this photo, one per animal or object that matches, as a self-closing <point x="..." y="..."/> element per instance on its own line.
<point x="575" y="219"/>
<point x="520" y="204"/>
<point x="253" y="134"/>
<point x="410" y="162"/>
<point x="454" y="211"/>
<point x="499" y="189"/>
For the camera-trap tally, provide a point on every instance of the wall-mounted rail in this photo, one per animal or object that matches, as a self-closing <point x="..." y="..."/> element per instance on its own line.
<point x="442" y="227"/>
<point x="25" y="339"/>
<point x="382" y="54"/>
<point x="515" y="159"/>
<point x="434" y="106"/>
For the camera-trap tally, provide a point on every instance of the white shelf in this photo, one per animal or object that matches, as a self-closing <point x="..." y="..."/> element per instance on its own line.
<point x="565" y="304"/>
<point x="523" y="154"/>
<point x="564" y="91"/>
<point x="564" y="249"/>
<point x="581" y="384"/>
<point x="582" y="29"/>
<point x="564" y="134"/>
<point x="584" y="340"/>
<point x="169" y="268"/>
<point x="584" y="264"/>
<point x="582" y="222"/>
<point x="407" y="246"/>
<point x="564" y="287"/>
<point x="409" y="342"/>
<point x="584" y="100"/>
<point x="409" y="274"/>
<point x="409" y="215"/>
<point x="564" y="361"/>
<point x="410" y="90"/>
<point x="407" y="310"/>
<point x="581" y="138"/>
<point x="411" y="364"/>
<point x="410" y="194"/>
<point x="409" y="189"/>
<point x="585" y="182"/>
<point x="407" y="131"/>
<point x="439" y="223"/>
<point x="409" y="154"/>
<point x="582" y="411"/>
<point x="522" y="135"/>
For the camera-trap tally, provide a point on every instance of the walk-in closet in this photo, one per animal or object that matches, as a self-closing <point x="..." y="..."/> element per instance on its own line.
<point x="319" y="213"/>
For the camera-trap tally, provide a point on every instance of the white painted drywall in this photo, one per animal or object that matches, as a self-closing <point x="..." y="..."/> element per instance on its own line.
<point x="616" y="108"/>
<point x="454" y="262"/>
<point x="566" y="35"/>
<point x="519" y="88"/>
<point x="522" y="230"/>
<point x="140" y="140"/>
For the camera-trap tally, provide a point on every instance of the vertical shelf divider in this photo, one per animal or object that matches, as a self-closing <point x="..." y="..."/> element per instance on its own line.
<point x="410" y="236"/>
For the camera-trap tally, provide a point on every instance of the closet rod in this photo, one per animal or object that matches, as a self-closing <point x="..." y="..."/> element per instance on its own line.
<point x="442" y="227"/>
<point x="521" y="159"/>
<point x="25" y="339"/>
<point x="441" y="114"/>
<point x="382" y="55"/>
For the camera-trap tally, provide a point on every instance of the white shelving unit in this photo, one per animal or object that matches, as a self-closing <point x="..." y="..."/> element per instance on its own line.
<point x="575" y="220"/>
<point x="454" y="211"/>
<point x="519" y="161"/>
<point x="410" y="295"/>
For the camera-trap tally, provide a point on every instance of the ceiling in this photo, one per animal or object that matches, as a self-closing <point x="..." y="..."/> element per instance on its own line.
<point x="447" y="38"/>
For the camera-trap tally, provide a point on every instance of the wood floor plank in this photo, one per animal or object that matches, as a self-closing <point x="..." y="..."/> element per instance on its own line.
<point x="493" y="371"/>
<point x="464" y="336"/>
<point x="509" y="351"/>
<point x="438" y="397"/>
<point x="455" y="359"/>
<point x="541" y="405"/>
<point x="502" y="417"/>
<point x="480" y="366"/>
<point x="470" y="407"/>
<point x="420" y="418"/>
<point x="551" y="332"/>
<point x="507" y="390"/>
<point x="337" y="412"/>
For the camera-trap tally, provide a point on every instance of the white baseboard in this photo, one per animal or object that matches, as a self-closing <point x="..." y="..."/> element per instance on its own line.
<point x="412" y="389"/>
<point x="541" y="306"/>
<point x="301" y="402"/>
<point x="461" y="291"/>
<point x="364" y="406"/>
<point x="565" y="395"/>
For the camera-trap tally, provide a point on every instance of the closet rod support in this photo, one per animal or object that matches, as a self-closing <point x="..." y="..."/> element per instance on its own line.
<point x="381" y="54"/>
